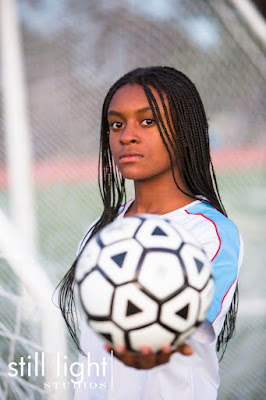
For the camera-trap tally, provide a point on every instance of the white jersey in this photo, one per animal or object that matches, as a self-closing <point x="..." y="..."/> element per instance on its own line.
<point x="194" y="377"/>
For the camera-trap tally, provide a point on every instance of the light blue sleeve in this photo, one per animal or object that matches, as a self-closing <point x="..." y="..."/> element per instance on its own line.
<point x="225" y="266"/>
<point x="225" y="262"/>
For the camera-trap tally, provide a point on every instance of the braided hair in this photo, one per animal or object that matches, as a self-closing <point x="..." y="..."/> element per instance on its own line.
<point x="190" y="145"/>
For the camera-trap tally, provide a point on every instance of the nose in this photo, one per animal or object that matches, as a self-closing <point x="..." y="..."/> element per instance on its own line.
<point x="129" y="135"/>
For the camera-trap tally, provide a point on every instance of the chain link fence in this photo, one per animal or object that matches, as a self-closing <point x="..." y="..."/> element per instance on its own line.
<point x="73" y="51"/>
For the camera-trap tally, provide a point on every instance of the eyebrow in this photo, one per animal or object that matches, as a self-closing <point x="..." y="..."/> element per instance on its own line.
<point x="112" y="112"/>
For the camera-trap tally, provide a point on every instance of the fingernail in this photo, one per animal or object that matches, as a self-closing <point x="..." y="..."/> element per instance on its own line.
<point x="145" y="349"/>
<point x="166" y="349"/>
<point x="119" y="348"/>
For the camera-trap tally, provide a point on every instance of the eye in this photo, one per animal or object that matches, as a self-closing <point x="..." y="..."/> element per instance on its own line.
<point x="115" y="125"/>
<point x="147" y="122"/>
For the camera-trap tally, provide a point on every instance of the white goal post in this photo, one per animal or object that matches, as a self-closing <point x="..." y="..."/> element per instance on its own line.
<point x="18" y="235"/>
<point x="34" y="279"/>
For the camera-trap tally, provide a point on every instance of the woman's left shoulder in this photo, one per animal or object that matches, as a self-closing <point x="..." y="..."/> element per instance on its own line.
<point x="215" y="217"/>
<point x="218" y="233"/>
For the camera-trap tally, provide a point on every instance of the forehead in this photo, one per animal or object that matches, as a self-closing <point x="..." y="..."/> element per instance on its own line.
<point x="133" y="96"/>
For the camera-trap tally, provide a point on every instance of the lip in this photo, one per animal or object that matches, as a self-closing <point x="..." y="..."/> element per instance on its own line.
<point x="130" y="158"/>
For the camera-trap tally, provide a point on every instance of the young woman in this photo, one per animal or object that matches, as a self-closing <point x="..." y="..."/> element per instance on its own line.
<point x="155" y="132"/>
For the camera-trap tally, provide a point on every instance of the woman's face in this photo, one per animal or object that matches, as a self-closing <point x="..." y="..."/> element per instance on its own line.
<point x="135" y="141"/>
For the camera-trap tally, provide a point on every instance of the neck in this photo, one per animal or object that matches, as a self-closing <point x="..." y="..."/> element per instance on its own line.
<point x="158" y="196"/>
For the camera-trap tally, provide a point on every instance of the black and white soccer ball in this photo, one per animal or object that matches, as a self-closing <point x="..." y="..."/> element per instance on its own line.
<point x="144" y="280"/>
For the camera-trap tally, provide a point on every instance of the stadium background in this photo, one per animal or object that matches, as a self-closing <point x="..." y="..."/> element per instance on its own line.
<point x="72" y="52"/>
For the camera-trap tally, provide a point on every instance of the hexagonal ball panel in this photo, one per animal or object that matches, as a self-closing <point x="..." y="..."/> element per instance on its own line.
<point x="87" y="260"/>
<point x="120" y="229"/>
<point x="156" y="232"/>
<point x="96" y="294"/>
<point x="161" y="274"/>
<point x="180" y="313"/>
<point x="154" y="335"/>
<point x="132" y="308"/>
<point x="109" y="332"/>
<point x="120" y="260"/>
<point x="197" y="266"/>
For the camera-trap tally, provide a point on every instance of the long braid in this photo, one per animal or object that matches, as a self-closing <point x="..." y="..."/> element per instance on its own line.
<point x="190" y="145"/>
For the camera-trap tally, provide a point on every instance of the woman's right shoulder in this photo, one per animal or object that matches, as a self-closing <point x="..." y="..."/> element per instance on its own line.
<point x="86" y="236"/>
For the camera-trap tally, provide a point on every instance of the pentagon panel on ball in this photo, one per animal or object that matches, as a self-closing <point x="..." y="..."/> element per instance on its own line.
<point x="144" y="280"/>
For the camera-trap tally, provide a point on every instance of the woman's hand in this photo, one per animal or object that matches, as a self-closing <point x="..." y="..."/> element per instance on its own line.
<point x="147" y="359"/>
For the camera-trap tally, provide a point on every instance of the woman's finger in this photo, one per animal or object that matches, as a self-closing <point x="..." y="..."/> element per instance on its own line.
<point x="164" y="355"/>
<point x="147" y="359"/>
<point x="184" y="349"/>
<point x="108" y="347"/>
<point x="126" y="356"/>
<point x="143" y="360"/>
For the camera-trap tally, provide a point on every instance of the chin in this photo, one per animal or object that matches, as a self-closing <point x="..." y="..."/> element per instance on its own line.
<point x="132" y="177"/>
<point x="131" y="173"/>
<point x="135" y="177"/>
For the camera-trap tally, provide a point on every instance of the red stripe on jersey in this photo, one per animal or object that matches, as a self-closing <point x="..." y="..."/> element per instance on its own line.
<point x="215" y="230"/>
<point x="223" y="301"/>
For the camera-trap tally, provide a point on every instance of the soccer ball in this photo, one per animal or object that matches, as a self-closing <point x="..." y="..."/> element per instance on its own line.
<point x="144" y="280"/>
